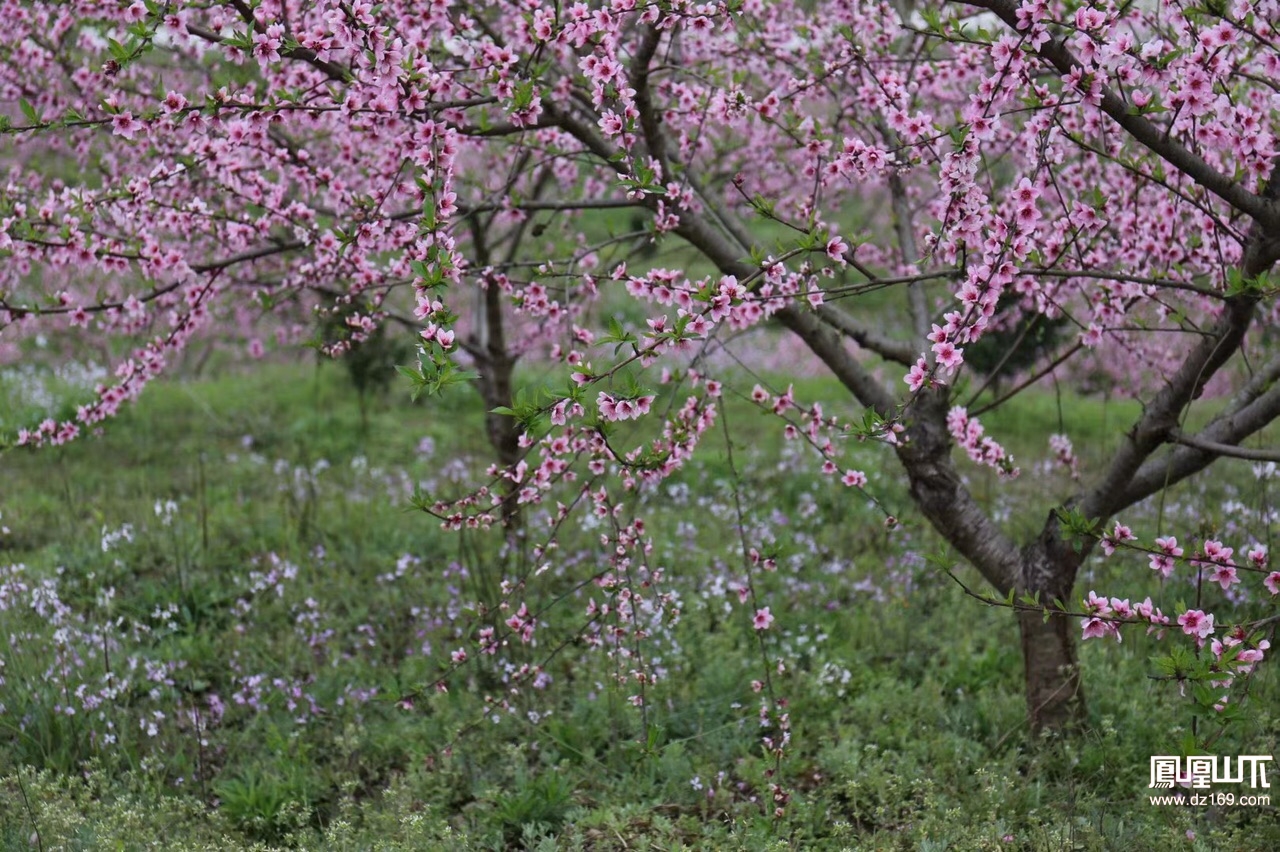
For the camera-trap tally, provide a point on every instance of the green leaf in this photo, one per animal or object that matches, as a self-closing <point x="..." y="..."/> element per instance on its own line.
<point x="1075" y="524"/>
<point x="1238" y="285"/>
<point x="762" y="205"/>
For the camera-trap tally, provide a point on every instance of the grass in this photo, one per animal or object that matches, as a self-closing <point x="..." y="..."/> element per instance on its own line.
<point x="280" y="609"/>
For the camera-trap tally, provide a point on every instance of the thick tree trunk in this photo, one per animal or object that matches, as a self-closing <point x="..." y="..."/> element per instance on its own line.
<point x="1055" y="699"/>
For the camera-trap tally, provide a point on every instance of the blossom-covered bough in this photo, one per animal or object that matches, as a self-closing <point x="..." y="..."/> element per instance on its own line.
<point x="179" y="168"/>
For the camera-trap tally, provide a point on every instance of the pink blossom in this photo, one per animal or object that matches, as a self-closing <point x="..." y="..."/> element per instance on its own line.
<point x="854" y="478"/>
<point x="1216" y="552"/>
<point x="1025" y="193"/>
<point x="1163" y="564"/>
<point x="1099" y="628"/>
<point x="1250" y="657"/>
<point x="836" y="248"/>
<point x="1196" y="623"/>
<point x="124" y="124"/>
<point x="916" y="375"/>
<point x="948" y="355"/>
<point x="1119" y="534"/>
<point x="1225" y="576"/>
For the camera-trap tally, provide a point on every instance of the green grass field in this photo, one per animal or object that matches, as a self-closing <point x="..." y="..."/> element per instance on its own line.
<point x="226" y="613"/>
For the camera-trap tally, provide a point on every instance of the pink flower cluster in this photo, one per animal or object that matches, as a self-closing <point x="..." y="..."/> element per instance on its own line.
<point x="981" y="448"/>
<point x="1107" y="615"/>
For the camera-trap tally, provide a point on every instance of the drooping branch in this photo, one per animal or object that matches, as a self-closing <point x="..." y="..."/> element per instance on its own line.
<point x="209" y="267"/>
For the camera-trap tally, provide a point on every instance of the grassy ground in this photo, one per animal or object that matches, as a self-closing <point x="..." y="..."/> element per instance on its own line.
<point x="225" y="613"/>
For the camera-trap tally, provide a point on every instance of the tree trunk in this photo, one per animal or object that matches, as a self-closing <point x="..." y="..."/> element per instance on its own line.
<point x="1055" y="699"/>
<point x="502" y="429"/>
<point x="496" y="366"/>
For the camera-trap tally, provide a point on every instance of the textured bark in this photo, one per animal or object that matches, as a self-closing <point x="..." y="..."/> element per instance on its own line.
<point x="941" y="496"/>
<point x="1055" y="699"/>
<point x="502" y="430"/>
<point x="1045" y="569"/>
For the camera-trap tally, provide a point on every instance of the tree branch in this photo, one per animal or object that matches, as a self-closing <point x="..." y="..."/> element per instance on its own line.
<point x="1109" y="275"/>
<point x="904" y="224"/>
<point x="1216" y="448"/>
<point x="868" y="338"/>
<point x="302" y="54"/>
<point x="1249" y="413"/>
<point x="1154" y="138"/>
<point x="939" y="493"/>
<point x="1025" y="383"/>
<point x="828" y="345"/>
<point x="1161" y="417"/>
<point x="1213" y="350"/>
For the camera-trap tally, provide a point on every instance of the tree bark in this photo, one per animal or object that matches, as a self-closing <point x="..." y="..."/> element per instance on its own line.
<point x="1055" y="698"/>
<point x="502" y="430"/>
<point x="496" y="366"/>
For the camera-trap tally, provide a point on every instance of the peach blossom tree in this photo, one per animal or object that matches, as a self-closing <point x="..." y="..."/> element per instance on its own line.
<point x="476" y="170"/>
